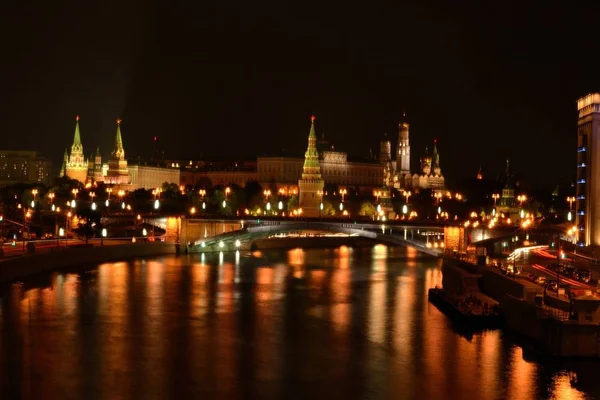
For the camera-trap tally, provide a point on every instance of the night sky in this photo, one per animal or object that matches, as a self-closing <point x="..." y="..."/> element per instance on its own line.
<point x="240" y="79"/>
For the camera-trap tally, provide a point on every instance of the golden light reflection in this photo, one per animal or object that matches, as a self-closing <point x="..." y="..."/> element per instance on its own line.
<point x="522" y="374"/>
<point x="296" y="257"/>
<point x="377" y="311"/>
<point x="264" y="282"/>
<point x="344" y="256"/>
<point x="489" y="359"/>
<point x="562" y="389"/>
<point x="341" y="288"/>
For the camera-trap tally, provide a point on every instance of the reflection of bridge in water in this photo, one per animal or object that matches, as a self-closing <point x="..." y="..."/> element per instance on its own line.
<point x="202" y="235"/>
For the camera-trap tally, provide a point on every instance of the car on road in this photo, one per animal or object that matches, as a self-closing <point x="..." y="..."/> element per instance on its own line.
<point x="541" y="280"/>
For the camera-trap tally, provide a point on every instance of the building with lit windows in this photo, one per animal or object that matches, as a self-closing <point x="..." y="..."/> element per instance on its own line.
<point x="24" y="167"/>
<point x="335" y="168"/>
<point x="588" y="171"/>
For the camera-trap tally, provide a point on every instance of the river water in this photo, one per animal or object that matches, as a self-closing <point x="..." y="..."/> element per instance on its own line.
<point x="315" y="323"/>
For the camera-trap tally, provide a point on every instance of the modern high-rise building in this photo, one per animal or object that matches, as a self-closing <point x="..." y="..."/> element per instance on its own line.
<point x="588" y="170"/>
<point x="311" y="184"/>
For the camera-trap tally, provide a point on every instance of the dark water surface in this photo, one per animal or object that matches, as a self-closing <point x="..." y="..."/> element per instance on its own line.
<point x="320" y="323"/>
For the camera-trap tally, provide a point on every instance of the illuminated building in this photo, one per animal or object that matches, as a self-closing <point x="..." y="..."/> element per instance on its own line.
<point x="117" y="165"/>
<point x="23" y="167"/>
<point x="151" y="176"/>
<point x="310" y="186"/>
<point x="588" y="170"/>
<point x="507" y="203"/>
<point x="336" y="169"/>
<point x="403" y="154"/>
<point x="430" y="175"/>
<point x="116" y="171"/>
<point x="74" y="165"/>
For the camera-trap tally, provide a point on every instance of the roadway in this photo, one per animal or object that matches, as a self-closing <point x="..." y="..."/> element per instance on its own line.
<point x="535" y="261"/>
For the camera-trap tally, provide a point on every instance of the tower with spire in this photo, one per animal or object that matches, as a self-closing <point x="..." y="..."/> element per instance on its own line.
<point x="435" y="166"/>
<point x="117" y="165"/>
<point x="98" y="175"/>
<point x="311" y="184"/>
<point x="508" y="191"/>
<point x="76" y="166"/>
<point x="403" y="150"/>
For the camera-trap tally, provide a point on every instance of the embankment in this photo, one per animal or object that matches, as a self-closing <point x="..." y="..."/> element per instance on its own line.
<point x="21" y="267"/>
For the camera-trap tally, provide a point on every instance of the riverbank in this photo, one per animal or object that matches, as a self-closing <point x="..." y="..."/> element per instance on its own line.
<point x="555" y="327"/>
<point x="16" y="268"/>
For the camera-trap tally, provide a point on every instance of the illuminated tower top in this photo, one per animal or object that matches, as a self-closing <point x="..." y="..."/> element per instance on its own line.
<point x="403" y="150"/>
<point x="436" y="169"/>
<point x="312" y="167"/>
<point x="118" y="152"/>
<point x="77" y="147"/>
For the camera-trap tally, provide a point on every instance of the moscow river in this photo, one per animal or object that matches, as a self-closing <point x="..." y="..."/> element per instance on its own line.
<point x="315" y="323"/>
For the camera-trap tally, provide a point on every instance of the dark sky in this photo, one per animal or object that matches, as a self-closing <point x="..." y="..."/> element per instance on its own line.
<point x="240" y="79"/>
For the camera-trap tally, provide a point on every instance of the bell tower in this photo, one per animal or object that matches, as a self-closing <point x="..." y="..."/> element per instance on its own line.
<point x="403" y="149"/>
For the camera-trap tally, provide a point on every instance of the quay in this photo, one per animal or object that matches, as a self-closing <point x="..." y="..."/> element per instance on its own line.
<point x="556" y="324"/>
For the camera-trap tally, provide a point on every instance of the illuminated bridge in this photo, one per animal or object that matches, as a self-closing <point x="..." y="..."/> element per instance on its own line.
<point x="203" y="235"/>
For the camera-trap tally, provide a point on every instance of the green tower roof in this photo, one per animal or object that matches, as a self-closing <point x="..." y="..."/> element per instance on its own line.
<point x="77" y="137"/>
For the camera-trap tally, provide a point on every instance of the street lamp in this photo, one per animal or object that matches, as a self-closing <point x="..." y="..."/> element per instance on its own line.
<point x="75" y="191"/>
<point x="377" y="194"/>
<point x="343" y="192"/>
<point x="571" y="199"/>
<point x="407" y="195"/>
<point x="495" y="196"/>
<point x="521" y="198"/>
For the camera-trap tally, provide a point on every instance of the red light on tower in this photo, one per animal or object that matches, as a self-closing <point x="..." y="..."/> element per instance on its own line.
<point x="312" y="118"/>
<point x="119" y="121"/>
<point x="155" y="138"/>
<point x="77" y="118"/>
<point x="435" y="140"/>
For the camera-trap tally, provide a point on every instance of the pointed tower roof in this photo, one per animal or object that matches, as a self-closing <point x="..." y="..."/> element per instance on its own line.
<point x="97" y="151"/>
<point x="77" y="137"/>
<point x="118" y="152"/>
<point x="312" y="167"/>
<point x="312" y="134"/>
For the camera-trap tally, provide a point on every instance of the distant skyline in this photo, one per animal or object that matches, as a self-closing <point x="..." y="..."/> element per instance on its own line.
<point x="240" y="79"/>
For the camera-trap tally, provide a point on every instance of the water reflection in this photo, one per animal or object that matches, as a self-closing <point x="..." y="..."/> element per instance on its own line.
<point x="341" y="323"/>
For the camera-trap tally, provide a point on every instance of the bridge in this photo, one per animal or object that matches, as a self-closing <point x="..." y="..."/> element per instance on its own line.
<point x="201" y="235"/>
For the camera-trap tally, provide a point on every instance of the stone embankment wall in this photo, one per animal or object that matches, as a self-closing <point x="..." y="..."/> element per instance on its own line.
<point x="22" y="267"/>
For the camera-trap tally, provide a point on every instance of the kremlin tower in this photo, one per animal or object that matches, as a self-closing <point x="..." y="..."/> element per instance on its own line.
<point x="117" y="165"/>
<point x="76" y="166"/>
<point x="403" y="153"/>
<point x="311" y="184"/>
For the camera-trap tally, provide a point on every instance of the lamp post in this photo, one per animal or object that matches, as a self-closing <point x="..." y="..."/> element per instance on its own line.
<point x="407" y="195"/>
<point x="495" y="196"/>
<point x="320" y="193"/>
<point x="521" y="198"/>
<point x="343" y="192"/>
<point x="571" y="199"/>
<point x="377" y="194"/>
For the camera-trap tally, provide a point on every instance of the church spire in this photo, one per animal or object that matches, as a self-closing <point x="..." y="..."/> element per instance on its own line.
<point x="77" y="137"/>
<point x="118" y="152"/>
